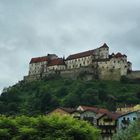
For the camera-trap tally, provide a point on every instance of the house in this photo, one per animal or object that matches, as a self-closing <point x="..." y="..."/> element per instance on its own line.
<point x="107" y="123"/>
<point x="125" y="119"/>
<point x="88" y="115"/>
<point x="137" y="107"/>
<point x="128" y="108"/>
<point x="76" y="114"/>
<point x="125" y="109"/>
<point x="62" y="111"/>
<point x="93" y="108"/>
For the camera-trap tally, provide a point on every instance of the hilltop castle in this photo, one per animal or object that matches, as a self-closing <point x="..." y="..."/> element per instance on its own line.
<point x="96" y="63"/>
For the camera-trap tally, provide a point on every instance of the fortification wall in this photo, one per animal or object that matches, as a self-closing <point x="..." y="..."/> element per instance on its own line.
<point x="31" y="77"/>
<point x="112" y="74"/>
<point x="86" y="73"/>
<point x="134" y="75"/>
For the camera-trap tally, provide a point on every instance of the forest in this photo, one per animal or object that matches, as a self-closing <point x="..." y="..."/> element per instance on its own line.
<point x="39" y="97"/>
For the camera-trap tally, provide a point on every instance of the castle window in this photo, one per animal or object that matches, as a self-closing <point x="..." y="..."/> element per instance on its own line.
<point x="134" y="118"/>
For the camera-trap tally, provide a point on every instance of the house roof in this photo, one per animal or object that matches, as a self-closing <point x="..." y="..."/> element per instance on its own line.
<point x="58" y="61"/>
<point x="95" y="109"/>
<point x="101" y="112"/>
<point x="114" y="116"/>
<point x="124" y="114"/>
<point x="39" y="59"/>
<point x="69" y="110"/>
<point x="111" y="115"/>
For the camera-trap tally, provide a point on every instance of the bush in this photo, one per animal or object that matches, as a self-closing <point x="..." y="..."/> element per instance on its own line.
<point x="53" y="127"/>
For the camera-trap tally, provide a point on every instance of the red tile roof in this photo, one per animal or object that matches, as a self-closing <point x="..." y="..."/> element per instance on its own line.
<point x="58" y="61"/>
<point x="111" y="115"/>
<point x="39" y="59"/>
<point x="79" y="55"/>
<point x="95" y="109"/>
<point x="84" y="54"/>
<point x="114" y="116"/>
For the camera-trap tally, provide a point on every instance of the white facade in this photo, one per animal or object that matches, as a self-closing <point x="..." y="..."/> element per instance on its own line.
<point x="79" y="62"/>
<point x="125" y="120"/>
<point x="57" y="67"/>
<point x="37" y="68"/>
<point x="115" y="63"/>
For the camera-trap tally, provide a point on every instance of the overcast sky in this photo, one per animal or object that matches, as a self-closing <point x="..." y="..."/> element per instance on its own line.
<point x="30" y="28"/>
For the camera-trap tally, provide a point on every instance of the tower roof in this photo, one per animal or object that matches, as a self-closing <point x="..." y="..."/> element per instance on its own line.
<point x="104" y="46"/>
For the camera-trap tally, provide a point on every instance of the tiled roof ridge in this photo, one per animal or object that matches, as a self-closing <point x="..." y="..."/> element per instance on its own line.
<point x="39" y="59"/>
<point x="81" y="54"/>
<point x="58" y="61"/>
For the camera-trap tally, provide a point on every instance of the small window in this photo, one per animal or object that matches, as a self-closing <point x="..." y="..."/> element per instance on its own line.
<point x="134" y="118"/>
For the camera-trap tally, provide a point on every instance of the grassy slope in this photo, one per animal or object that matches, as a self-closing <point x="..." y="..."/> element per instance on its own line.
<point x="48" y="94"/>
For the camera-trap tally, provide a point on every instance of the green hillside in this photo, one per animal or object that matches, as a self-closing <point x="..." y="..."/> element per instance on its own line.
<point x="38" y="97"/>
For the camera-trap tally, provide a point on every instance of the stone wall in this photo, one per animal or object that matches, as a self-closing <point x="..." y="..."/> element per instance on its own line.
<point x="134" y="75"/>
<point x="112" y="74"/>
<point x="85" y="73"/>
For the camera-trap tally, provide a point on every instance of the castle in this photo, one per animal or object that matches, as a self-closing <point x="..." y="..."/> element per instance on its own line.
<point x="92" y="64"/>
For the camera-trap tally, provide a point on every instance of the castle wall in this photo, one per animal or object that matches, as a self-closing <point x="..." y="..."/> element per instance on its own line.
<point x="32" y="77"/>
<point x="112" y="74"/>
<point x="85" y="73"/>
<point x="114" y="64"/>
<point x="134" y="75"/>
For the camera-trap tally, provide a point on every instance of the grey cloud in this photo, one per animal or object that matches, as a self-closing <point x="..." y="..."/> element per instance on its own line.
<point x="30" y="28"/>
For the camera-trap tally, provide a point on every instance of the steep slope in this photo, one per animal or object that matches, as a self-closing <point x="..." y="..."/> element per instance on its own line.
<point x="38" y="97"/>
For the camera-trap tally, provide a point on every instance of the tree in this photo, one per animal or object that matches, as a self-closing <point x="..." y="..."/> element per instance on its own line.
<point x="53" y="127"/>
<point x="131" y="133"/>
